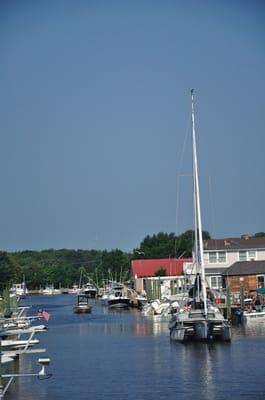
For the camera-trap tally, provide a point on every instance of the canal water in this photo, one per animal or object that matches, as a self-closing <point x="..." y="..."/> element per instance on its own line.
<point x="109" y="355"/>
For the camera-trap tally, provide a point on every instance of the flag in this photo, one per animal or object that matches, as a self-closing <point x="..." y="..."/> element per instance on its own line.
<point x="43" y="315"/>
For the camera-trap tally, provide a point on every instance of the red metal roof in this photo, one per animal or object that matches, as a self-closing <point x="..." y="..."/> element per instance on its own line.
<point x="173" y="266"/>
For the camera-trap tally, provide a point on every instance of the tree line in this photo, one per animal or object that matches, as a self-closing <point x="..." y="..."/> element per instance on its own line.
<point x="64" y="267"/>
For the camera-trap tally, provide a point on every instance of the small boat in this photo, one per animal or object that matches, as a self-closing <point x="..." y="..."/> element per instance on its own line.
<point x="254" y="315"/>
<point x="113" y="296"/>
<point x="160" y="310"/>
<point x="82" y="305"/>
<point x="90" y="290"/>
<point x="255" y="307"/>
<point x="198" y="320"/>
<point x="19" y="290"/>
<point x="50" y="290"/>
<point x="75" y="289"/>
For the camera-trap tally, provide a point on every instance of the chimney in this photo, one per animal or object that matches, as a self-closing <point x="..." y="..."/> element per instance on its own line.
<point x="246" y="236"/>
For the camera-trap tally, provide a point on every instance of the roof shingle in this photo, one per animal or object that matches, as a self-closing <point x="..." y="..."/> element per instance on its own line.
<point x="235" y="243"/>
<point x="246" y="268"/>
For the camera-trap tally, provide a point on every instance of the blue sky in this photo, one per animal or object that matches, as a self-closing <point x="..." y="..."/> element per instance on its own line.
<point x="94" y="116"/>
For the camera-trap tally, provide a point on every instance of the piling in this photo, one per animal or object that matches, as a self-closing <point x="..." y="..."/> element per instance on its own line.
<point x="228" y="302"/>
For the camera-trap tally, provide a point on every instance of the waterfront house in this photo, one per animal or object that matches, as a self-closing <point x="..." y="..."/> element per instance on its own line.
<point x="220" y="254"/>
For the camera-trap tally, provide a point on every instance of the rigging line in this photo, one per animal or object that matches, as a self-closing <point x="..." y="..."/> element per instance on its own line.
<point x="212" y="210"/>
<point x="188" y="125"/>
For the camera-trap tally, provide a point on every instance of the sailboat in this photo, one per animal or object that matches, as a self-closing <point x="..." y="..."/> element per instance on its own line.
<point x="199" y="319"/>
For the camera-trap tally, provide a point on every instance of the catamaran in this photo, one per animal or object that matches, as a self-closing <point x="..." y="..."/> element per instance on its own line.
<point x="198" y="319"/>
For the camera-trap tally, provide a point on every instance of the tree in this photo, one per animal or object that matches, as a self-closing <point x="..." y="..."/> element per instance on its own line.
<point x="161" y="272"/>
<point x="9" y="270"/>
<point x="259" y="234"/>
<point x="165" y="245"/>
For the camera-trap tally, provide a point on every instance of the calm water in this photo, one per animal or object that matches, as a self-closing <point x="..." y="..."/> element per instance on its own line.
<point x="122" y="355"/>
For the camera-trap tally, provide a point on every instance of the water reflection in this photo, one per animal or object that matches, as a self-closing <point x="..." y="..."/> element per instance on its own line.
<point x="250" y="328"/>
<point x="202" y="368"/>
<point x="88" y="353"/>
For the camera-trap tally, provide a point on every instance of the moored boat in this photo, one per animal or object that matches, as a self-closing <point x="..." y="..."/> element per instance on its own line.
<point x="114" y="297"/>
<point x="254" y="315"/>
<point x="82" y="305"/>
<point x="198" y="319"/>
<point x="19" y="290"/>
<point x="90" y="290"/>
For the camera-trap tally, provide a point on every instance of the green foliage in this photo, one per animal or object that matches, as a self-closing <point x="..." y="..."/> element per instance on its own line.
<point x="63" y="267"/>
<point x="9" y="270"/>
<point x="259" y="234"/>
<point x="167" y="245"/>
<point x="161" y="272"/>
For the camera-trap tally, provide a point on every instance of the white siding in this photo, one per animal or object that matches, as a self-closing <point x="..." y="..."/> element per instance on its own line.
<point x="232" y="256"/>
<point x="261" y="255"/>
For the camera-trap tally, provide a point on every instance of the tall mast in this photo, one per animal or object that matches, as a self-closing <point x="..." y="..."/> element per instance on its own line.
<point x="197" y="207"/>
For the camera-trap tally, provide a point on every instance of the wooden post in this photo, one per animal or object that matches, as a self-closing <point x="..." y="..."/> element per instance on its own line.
<point x="148" y="289"/>
<point x="172" y="288"/>
<point x="228" y="302"/>
<point x="242" y="298"/>
<point x="159" y="288"/>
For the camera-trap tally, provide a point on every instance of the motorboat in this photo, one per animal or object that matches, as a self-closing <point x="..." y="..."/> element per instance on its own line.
<point x="82" y="305"/>
<point x="90" y="290"/>
<point x="113" y="295"/>
<point x="254" y="315"/>
<point x="19" y="290"/>
<point x="50" y="290"/>
<point x="160" y="310"/>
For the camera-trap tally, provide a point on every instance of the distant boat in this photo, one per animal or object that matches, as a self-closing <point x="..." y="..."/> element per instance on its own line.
<point x="19" y="290"/>
<point x="90" y="290"/>
<point x="199" y="319"/>
<point x="113" y="296"/>
<point x="75" y="289"/>
<point x="82" y="305"/>
<point x="49" y="290"/>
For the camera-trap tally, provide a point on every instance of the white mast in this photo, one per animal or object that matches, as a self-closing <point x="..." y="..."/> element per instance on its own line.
<point x="197" y="207"/>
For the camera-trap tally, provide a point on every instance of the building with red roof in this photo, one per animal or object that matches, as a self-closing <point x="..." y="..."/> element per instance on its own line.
<point x="144" y="272"/>
<point x="147" y="268"/>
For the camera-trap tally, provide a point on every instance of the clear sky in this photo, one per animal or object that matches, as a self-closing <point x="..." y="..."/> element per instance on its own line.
<point x="94" y="112"/>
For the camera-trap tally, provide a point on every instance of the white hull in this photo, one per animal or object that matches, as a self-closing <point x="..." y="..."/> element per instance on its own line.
<point x="80" y="309"/>
<point x="254" y="316"/>
<point x="195" y="326"/>
<point x="118" y="302"/>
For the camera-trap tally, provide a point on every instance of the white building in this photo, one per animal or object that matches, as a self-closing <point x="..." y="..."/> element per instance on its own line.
<point x="220" y="254"/>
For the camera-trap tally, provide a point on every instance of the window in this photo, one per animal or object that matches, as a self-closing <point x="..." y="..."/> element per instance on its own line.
<point x="251" y="255"/>
<point x="213" y="258"/>
<point x="216" y="282"/>
<point x="260" y="281"/>
<point x="222" y="256"/>
<point x="217" y="257"/>
<point x="242" y="255"/>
